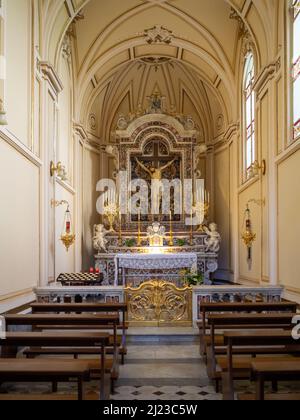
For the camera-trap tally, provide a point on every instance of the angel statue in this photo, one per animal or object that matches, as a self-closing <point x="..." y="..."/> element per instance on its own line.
<point x="99" y="239"/>
<point x="213" y="239"/>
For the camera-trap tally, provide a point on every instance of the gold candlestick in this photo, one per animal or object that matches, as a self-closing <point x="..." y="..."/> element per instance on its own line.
<point x="139" y="229"/>
<point x="171" y="231"/>
<point x="120" y="229"/>
<point x="192" y="229"/>
<point x="111" y="211"/>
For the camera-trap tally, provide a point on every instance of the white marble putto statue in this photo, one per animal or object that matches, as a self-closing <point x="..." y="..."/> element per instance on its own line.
<point x="99" y="239"/>
<point x="213" y="239"/>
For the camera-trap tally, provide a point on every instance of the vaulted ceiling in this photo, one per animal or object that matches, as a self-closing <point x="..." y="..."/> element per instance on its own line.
<point x="117" y="65"/>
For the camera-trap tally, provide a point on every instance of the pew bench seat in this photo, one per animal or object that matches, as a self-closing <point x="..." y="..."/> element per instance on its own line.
<point x="271" y="397"/>
<point x="94" y="365"/>
<point x="244" y="363"/>
<point x="47" y="397"/>
<point x="46" y="370"/>
<point x="33" y="352"/>
<point x="264" y="370"/>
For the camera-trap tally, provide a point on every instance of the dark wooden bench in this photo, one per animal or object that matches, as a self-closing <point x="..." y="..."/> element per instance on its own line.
<point x="232" y="367"/>
<point x="82" y="308"/>
<point x="43" y="339"/>
<point x="216" y="345"/>
<point x="46" y="370"/>
<point x="59" y="320"/>
<point x="263" y="371"/>
<point x="255" y="307"/>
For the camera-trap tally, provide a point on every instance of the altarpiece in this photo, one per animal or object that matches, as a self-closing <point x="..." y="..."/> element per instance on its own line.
<point x="153" y="146"/>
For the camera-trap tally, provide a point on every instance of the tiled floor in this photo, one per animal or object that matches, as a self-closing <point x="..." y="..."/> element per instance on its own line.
<point x="159" y="366"/>
<point x="162" y="364"/>
<point x="164" y="372"/>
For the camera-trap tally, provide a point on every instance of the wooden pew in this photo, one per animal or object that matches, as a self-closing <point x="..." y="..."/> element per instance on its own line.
<point x="67" y="308"/>
<point x="240" y="322"/>
<point x="256" y="307"/>
<point x="233" y="367"/>
<point x="45" y="370"/>
<point x="263" y="371"/>
<point x="43" y="339"/>
<point x="94" y="321"/>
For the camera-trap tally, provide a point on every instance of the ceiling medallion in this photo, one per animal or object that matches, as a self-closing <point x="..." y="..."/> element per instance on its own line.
<point x="155" y="61"/>
<point x="158" y="34"/>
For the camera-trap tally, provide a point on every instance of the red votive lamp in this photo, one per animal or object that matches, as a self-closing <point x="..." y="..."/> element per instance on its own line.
<point x="68" y="227"/>
<point x="91" y="270"/>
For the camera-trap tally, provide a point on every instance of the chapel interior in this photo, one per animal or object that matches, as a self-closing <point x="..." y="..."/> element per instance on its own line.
<point x="108" y="294"/>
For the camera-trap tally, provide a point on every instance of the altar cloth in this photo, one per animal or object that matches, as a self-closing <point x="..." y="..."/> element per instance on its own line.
<point x="159" y="261"/>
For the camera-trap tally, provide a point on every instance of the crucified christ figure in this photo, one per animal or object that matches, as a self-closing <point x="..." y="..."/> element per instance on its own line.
<point x="155" y="173"/>
<point x="157" y="187"/>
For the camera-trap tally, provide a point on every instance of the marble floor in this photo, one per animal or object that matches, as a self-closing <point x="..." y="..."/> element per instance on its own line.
<point x="162" y="364"/>
<point x="166" y="368"/>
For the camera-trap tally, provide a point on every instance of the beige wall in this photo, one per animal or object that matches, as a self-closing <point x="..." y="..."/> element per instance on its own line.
<point x="19" y="222"/>
<point x="222" y="209"/>
<point x="250" y="272"/>
<point x="288" y="222"/>
<point x="91" y="164"/>
<point x="18" y="68"/>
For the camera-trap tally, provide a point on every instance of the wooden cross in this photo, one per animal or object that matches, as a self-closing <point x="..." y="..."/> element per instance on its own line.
<point x="156" y="159"/>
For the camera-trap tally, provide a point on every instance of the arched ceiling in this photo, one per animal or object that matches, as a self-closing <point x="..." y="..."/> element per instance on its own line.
<point x="127" y="90"/>
<point x="198" y="62"/>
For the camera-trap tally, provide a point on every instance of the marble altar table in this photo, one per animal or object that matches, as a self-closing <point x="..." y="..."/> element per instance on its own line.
<point x="150" y="262"/>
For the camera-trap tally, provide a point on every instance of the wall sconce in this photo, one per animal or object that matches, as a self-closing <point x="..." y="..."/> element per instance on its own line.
<point x="256" y="167"/>
<point x="67" y="236"/>
<point x="59" y="169"/>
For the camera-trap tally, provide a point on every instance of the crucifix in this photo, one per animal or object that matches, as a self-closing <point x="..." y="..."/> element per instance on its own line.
<point x="155" y="172"/>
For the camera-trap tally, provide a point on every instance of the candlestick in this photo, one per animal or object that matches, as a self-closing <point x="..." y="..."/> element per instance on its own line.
<point x="171" y="231"/>
<point x="192" y="230"/>
<point x="139" y="229"/>
<point x="120" y="228"/>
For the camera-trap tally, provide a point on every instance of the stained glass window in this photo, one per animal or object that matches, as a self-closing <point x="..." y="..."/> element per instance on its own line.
<point x="249" y="111"/>
<point x="296" y="68"/>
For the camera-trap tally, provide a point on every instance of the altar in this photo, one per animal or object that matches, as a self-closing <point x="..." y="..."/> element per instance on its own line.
<point x="156" y="265"/>
<point x="155" y="223"/>
<point x="123" y="263"/>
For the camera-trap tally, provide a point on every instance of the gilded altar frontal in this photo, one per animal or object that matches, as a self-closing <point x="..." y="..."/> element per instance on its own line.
<point x="149" y="202"/>
<point x="159" y="303"/>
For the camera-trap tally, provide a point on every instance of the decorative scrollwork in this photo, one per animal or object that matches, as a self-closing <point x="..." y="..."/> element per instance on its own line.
<point x="159" y="302"/>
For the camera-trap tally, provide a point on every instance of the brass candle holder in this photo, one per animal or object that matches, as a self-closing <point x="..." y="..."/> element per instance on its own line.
<point x="139" y="239"/>
<point x="202" y="210"/>
<point x="171" y="242"/>
<point x="111" y="211"/>
<point x="192" y="229"/>
<point x="120" y="229"/>
<point x="67" y="237"/>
